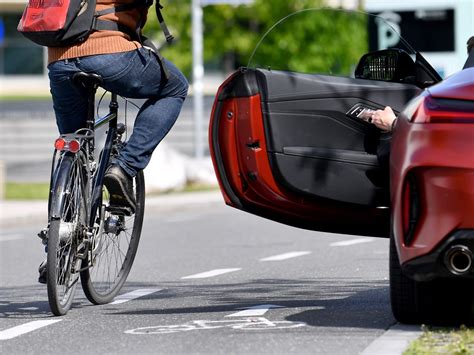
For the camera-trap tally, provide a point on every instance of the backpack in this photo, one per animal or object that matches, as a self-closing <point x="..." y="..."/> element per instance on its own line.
<point x="59" y="23"/>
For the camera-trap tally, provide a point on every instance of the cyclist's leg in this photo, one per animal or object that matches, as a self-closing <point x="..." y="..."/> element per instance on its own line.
<point x="69" y="100"/>
<point x="155" y="118"/>
<point x="140" y="76"/>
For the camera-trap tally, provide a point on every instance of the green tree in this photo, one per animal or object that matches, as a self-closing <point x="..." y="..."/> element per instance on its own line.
<point x="312" y="41"/>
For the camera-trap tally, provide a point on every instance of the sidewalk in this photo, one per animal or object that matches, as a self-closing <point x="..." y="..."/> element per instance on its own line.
<point x="21" y="213"/>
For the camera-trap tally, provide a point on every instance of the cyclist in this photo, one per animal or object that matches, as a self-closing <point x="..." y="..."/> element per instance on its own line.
<point x="129" y="69"/>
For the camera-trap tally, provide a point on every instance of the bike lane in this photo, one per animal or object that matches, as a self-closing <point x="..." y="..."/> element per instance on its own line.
<point x="305" y="304"/>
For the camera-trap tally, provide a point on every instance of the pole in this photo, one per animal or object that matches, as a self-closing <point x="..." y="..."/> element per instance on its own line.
<point x="198" y="75"/>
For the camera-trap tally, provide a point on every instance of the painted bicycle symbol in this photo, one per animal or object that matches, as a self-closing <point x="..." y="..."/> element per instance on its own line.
<point x="250" y="323"/>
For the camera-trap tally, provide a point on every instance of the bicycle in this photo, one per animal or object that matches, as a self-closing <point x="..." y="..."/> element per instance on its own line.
<point x="86" y="237"/>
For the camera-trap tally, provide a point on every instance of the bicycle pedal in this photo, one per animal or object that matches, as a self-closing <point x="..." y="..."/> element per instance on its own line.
<point x="43" y="235"/>
<point x="119" y="210"/>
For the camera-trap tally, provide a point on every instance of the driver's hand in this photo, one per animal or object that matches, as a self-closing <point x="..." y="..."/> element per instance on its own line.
<point x="384" y="119"/>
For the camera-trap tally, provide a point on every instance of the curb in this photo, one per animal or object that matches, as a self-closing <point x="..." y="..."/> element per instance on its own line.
<point x="394" y="341"/>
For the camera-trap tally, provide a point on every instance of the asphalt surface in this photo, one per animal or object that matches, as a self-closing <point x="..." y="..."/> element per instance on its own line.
<point x="329" y="293"/>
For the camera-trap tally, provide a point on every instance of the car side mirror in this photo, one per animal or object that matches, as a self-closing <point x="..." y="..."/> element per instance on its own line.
<point x="393" y="65"/>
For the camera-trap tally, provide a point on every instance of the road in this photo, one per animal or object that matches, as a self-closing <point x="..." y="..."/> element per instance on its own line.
<point x="212" y="280"/>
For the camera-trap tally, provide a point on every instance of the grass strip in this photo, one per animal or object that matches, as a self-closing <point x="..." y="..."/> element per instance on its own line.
<point x="39" y="191"/>
<point x="443" y="341"/>
<point x="26" y="191"/>
<point x="32" y="97"/>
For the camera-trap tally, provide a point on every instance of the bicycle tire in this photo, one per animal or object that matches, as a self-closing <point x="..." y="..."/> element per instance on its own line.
<point x="99" y="284"/>
<point x="68" y="222"/>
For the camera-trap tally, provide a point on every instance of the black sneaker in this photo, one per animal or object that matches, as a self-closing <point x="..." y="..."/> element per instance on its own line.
<point x="42" y="272"/>
<point x="120" y="187"/>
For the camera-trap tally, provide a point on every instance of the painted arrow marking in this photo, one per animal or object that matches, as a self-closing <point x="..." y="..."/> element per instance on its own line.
<point x="255" y="311"/>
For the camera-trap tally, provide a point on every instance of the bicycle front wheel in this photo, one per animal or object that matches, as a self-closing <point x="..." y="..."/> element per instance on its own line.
<point x="115" y="244"/>
<point x="66" y="231"/>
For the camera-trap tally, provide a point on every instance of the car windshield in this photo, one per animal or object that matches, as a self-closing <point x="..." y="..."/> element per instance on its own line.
<point x="325" y="41"/>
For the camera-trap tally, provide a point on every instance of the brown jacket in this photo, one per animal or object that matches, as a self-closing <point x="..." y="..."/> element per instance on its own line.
<point x="104" y="42"/>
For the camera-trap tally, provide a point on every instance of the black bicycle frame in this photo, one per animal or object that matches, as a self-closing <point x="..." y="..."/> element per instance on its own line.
<point x="54" y="207"/>
<point x="111" y="119"/>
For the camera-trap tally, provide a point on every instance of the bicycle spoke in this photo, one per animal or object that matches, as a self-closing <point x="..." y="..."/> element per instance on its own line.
<point x="115" y="245"/>
<point x="65" y="236"/>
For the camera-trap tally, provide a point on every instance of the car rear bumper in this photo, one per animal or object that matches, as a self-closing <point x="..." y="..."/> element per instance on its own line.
<point x="436" y="263"/>
<point x="440" y="160"/>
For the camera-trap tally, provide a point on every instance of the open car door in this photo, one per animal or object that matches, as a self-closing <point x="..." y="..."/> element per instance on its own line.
<point x="289" y="136"/>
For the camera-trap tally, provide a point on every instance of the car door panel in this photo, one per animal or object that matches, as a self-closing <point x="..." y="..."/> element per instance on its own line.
<point x="283" y="148"/>
<point x="308" y="112"/>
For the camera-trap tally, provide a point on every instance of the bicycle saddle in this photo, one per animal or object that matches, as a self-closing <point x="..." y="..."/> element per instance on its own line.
<point x="87" y="80"/>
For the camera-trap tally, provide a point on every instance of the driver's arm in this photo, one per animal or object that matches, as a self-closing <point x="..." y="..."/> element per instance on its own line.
<point x="384" y="119"/>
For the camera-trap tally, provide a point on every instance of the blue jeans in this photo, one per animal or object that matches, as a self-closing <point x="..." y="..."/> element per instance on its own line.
<point x="134" y="74"/>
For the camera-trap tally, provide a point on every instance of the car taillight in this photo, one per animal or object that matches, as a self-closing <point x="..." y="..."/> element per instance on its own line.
<point x="410" y="208"/>
<point x="428" y="109"/>
<point x="72" y="146"/>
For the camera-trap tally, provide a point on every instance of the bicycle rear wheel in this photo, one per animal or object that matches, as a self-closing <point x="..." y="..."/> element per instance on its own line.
<point x="114" y="247"/>
<point x="66" y="230"/>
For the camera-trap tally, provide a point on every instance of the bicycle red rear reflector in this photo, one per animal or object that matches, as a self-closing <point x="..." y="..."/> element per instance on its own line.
<point x="59" y="144"/>
<point x="74" y="146"/>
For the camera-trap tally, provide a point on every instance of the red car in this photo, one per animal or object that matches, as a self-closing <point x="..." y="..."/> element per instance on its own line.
<point x="296" y="147"/>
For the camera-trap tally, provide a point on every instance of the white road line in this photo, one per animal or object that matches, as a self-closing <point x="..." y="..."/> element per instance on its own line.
<point x="134" y="294"/>
<point x="346" y="243"/>
<point x="255" y="311"/>
<point x="181" y="219"/>
<point x="9" y="237"/>
<point x="25" y="328"/>
<point x="211" y="273"/>
<point x="280" y="257"/>
<point x="394" y="341"/>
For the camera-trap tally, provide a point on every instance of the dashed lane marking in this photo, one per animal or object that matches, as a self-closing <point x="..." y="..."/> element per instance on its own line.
<point x="346" y="243"/>
<point x="394" y="341"/>
<point x="134" y="295"/>
<point x="255" y="311"/>
<point x="286" y="256"/>
<point x="25" y="328"/>
<point x="210" y="273"/>
<point x="28" y="309"/>
<point x="181" y="219"/>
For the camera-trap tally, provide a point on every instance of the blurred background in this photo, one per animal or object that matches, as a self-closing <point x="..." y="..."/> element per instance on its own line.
<point x="230" y="31"/>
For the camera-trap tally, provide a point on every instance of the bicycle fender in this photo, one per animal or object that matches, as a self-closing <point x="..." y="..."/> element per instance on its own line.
<point x="58" y="190"/>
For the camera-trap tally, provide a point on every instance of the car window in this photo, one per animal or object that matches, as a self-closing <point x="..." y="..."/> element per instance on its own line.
<point x="325" y="41"/>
